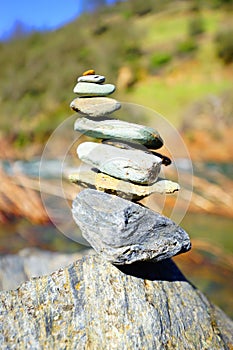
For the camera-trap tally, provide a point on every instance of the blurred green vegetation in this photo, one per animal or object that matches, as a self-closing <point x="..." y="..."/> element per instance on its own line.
<point x="176" y="51"/>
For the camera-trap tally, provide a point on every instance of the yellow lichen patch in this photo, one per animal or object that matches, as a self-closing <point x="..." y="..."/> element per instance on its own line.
<point x="89" y="72"/>
<point x="105" y="181"/>
<point x="66" y="286"/>
<point x="77" y="286"/>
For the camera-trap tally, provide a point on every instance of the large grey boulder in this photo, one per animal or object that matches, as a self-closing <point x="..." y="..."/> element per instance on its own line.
<point x="93" y="305"/>
<point x="125" y="232"/>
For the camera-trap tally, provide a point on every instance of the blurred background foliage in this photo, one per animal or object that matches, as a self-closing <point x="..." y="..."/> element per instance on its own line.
<point x="156" y="51"/>
<point x="172" y="56"/>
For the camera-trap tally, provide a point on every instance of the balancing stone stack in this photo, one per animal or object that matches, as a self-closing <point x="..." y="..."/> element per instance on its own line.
<point x="124" y="168"/>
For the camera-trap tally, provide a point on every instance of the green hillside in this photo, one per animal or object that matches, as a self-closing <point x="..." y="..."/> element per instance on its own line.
<point x="164" y="56"/>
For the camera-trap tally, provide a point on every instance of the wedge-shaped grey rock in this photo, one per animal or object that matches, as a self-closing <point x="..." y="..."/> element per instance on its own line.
<point x="92" y="78"/>
<point x="92" y="89"/>
<point x="95" y="106"/>
<point x="125" y="232"/>
<point x="130" y="165"/>
<point x="103" y="182"/>
<point x="119" y="130"/>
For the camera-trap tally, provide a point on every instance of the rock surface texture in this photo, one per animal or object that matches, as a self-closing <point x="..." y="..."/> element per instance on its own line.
<point x="28" y="263"/>
<point x="93" y="305"/>
<point x="125" y="232"/>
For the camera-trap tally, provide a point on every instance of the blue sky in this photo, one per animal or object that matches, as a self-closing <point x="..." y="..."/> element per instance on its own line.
<point x="41" y="14"/>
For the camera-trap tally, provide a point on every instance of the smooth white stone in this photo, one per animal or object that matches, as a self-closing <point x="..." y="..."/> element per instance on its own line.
<point x="93" y="89"/>
<point x="95" y="78"/>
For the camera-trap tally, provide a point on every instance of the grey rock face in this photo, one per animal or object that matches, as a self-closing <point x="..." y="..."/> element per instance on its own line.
<point x="31" y="262"/>
<point x="103" y="182"/>
<point x="119" y="130"/>
<point x="92" y="78"/>
<point x="132" y="165"/>
<point x="92" y="89"/>
<point x="125" y="232"/>
<point x="92" y="305"/>
<point x="95" y="106"/>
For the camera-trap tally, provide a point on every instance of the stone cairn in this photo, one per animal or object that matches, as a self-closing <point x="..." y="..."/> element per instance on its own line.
<point x="123" y="169"/>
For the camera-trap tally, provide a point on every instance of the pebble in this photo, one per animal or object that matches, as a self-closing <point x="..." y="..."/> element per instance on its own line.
<point x="92" y="89"/>
<point x="125" y="232"/>
<point x="103" y="182"/>
<point x="130" y="165"/>
<point x="92" y="78"/>
<point x="95" y="106"/>
<point x="119" y="130"/>
<point x="89" y="72"/>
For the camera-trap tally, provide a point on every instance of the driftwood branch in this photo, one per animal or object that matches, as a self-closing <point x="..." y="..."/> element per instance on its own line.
<point x="92" y="304"/>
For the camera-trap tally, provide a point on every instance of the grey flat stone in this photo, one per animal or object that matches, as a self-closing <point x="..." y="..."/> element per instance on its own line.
<point x="92" y="78"/>
<point x="130" y="165"/>
<point x="102" y="182"/>
<point x="129" y="145"/>
<point x="119" y="130"/>
<point x="125" y="232"/>
<point x="92" y="89"/>
<point x="95" y="106"/>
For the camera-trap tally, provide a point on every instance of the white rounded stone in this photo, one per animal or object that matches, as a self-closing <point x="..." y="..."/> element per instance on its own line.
<point x="94" y="78"/>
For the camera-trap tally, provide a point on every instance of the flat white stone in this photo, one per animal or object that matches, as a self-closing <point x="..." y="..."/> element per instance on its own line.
<point x="95" y="106"/>
<point x="130" y="165"/>
<point x="93" y="89"/>
<point x="93" y="78"/>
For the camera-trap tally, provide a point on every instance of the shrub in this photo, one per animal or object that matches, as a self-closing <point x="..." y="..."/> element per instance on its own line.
<point x="187" y="47"/>
<point x="224" y="45"/>
<point x="160" y="59"/>
<point x="196" y="26"/>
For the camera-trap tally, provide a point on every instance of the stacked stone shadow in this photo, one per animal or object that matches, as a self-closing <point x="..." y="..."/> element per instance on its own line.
<point x="123" y="168"/>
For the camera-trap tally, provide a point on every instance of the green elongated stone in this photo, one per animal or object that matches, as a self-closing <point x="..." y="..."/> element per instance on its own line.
<point x="104" y="128"/>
